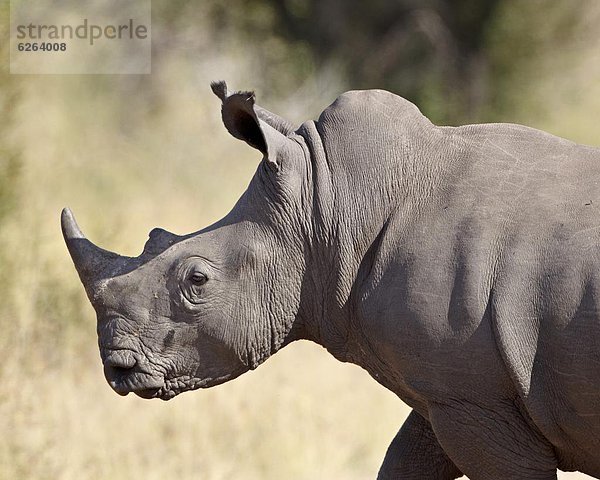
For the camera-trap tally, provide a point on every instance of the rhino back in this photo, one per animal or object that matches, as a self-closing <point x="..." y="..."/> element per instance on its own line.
<point x="546" y="287"/>
<point x="482" y="277"/>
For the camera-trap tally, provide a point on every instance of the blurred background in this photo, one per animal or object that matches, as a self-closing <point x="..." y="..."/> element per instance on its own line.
<point x="131" y="152"/>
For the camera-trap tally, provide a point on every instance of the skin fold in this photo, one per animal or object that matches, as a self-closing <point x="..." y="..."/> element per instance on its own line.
<point x="457" y="265"/>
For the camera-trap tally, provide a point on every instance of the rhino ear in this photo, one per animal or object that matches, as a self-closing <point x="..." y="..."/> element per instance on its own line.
<point x="242" y="119"/>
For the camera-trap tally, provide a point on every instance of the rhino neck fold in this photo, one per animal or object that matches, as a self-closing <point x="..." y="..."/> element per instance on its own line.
<point x="372" y="158"/>
<point x="321" y="318"/>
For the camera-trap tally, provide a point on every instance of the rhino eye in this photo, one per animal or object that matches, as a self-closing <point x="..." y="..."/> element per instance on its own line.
<point x="198" y="279"/>
<point x="191" y="278"/>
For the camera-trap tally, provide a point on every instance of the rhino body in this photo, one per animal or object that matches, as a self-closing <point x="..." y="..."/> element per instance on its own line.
<point x="458" y="265"/>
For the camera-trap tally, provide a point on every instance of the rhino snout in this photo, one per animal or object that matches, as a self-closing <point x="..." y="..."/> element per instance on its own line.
<point x="124" y="374"/>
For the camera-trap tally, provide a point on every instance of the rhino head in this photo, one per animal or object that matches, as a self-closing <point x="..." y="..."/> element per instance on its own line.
<point x="197" y="310"/>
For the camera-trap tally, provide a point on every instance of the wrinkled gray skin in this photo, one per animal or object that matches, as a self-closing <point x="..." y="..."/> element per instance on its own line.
<point x="458" y="266"/>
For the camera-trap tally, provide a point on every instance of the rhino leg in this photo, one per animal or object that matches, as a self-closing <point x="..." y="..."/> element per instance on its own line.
<point x="492" y="441"/>
<point x="415" y="454"/>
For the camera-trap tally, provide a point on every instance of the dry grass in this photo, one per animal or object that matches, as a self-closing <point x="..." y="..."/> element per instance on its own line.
<point x="90" y="145"/>
<point x="297" y="417"/>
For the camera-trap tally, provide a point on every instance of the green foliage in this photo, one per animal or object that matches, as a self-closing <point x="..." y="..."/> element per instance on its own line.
<point x="428" y="50"/>
<point x="544" y="66"/>
<point x="10" y="161"/>
<point x="10" y="169"/>
<point x="520" y="55"/>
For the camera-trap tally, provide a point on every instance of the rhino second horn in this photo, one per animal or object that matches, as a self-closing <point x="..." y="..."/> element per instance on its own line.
<point x="90" y="260"/>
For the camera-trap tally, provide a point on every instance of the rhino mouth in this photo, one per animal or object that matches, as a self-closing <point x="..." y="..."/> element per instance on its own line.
<point x="148" y="393"/>
<point x="125" y="373"/>
<point x="143" y="385"/>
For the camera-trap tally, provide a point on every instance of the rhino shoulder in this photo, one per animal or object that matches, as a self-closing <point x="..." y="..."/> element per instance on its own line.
<point x="371" y="107"/>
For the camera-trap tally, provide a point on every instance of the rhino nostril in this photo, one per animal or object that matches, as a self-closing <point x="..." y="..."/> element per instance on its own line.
<point x="119" y="363"/>
<point x="117" y="371"/>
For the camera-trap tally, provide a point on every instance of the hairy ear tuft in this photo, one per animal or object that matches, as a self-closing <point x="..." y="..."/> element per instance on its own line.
<point x="219" y="89"/>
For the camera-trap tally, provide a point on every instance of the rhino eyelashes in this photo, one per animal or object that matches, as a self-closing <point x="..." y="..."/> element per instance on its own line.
<point x="198" y="279"/>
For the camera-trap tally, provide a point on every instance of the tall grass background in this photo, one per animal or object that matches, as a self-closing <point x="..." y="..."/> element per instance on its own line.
<point x="128" y="153"/>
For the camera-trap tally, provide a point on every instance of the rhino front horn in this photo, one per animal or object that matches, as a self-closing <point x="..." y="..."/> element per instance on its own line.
<point x="91" y="262"/>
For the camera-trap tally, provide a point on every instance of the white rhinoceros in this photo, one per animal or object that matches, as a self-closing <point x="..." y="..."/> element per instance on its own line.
<point x="459" y="266"/>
